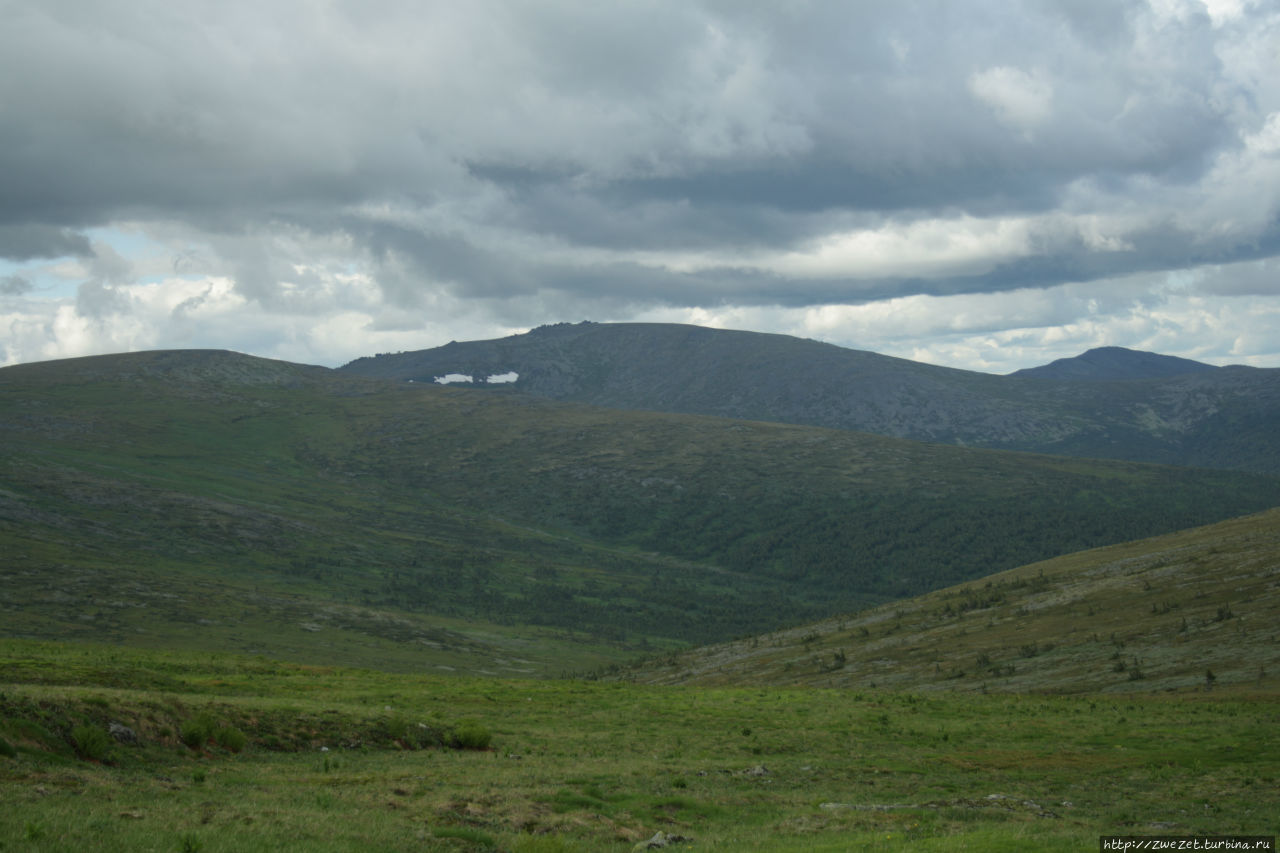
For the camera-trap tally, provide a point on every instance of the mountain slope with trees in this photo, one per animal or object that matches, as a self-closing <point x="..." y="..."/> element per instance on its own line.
<point x="1193" y="610"/>
<point x="284" y="508"/>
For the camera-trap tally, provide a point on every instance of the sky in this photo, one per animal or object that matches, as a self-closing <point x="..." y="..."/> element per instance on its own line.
<point x="983" y="184"/>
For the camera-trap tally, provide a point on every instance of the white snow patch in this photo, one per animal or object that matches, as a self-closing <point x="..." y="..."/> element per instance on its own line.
<point x="509" y="376"/>
<point x="453" y="377"/>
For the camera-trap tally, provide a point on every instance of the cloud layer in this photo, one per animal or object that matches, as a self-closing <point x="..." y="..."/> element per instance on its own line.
<point x="988" y="185"/>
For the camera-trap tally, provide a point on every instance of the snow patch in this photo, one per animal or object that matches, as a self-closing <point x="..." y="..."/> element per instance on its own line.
<point x="493" y="379"/>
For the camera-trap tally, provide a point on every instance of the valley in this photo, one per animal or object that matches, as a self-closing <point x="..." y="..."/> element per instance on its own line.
<point x="254" y="605"/>
<point x="304" y="513"/>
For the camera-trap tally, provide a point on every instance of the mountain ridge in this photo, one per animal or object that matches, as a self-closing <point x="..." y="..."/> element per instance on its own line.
<point x="1225" y="417"/>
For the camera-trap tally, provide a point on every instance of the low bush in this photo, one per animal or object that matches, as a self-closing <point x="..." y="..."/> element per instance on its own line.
<point x="408" y="734"/>
<point x="197" y="731"/>
<point x="230" y="738"/>
<point x="91" y="742"/>
<point x="470" y="736"/>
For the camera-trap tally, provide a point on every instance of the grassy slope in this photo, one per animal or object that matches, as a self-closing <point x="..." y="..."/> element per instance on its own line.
<point x="581" y="767"/>
<point x="212" y="500"/>
<point x="1158" y="614"/>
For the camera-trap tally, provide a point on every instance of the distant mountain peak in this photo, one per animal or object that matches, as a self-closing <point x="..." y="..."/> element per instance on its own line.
<point x="1108" y="402"/>
<point x="1115" y="363"/>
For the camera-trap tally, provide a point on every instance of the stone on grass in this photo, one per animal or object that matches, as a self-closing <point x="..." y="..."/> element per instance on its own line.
<point x="122" y="733"/>
<point x="661" y="839"/>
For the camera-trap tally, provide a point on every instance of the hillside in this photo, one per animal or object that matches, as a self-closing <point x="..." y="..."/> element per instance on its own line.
<point x="206" y="499"/>
<point x="1113" y="403"/>
<point x="1109" y="363"/>
<point x="1193" y="610"/>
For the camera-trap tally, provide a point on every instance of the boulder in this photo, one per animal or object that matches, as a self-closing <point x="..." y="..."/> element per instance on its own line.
<point x="122" y="733"/>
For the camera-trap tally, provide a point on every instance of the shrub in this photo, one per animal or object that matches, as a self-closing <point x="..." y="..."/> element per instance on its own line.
<point x="399" y="728"/>
<point x="231" y="738"/>
<point x="7" y="749"/>
<point x="470" y="736"/>
<point x="410" y="735"/>
<point x="197" y="731"/>
<point x="91" y="742"/>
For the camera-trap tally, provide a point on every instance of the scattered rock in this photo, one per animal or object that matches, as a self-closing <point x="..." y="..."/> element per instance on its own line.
<point x="758" y="770"/>
<point x="661" y="839"/>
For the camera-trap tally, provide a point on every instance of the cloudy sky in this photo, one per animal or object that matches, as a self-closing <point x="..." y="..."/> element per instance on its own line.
<point x="987" y="184"/>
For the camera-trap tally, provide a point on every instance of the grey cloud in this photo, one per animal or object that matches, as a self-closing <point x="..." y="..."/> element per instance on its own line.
<point x="1256" y="278"/>
<point x="27" y="241"/>
<point x="712" y="126"/>
<point x="107" y="265"/>
<point x="14" y="285"/>
<point x="97" y="300"/>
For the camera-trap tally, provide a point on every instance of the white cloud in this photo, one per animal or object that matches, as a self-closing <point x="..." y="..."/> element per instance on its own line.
<point x="1020" y="99"/>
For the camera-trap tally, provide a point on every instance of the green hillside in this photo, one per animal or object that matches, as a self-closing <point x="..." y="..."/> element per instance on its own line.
<point x="212" y="500"/>
<point x="1195" y="610"/>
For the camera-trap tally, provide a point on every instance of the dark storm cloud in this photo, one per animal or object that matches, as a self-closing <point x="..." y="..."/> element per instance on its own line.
<point x="497" y="149"/>
<point x="25" y="241"/>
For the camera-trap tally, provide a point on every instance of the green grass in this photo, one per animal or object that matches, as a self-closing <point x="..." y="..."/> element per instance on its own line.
<point x="588" y="766"/>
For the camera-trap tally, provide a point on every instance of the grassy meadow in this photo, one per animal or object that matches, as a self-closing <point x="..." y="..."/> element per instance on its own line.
<point x="345" y="759"/>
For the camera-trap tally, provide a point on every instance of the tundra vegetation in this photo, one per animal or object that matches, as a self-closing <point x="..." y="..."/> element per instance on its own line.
<point x="216" y="501"/>
<point x="256" y="606"/>
<point x="1181" y="611"/>
<point x="344" y="759"/>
